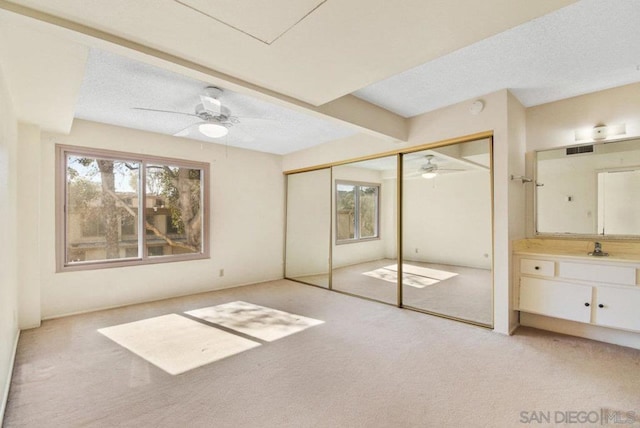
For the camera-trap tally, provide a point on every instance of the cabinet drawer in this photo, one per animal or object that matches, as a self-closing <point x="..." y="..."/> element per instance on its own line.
<point x="537" y="267"/>
<point x="598" y="273"/>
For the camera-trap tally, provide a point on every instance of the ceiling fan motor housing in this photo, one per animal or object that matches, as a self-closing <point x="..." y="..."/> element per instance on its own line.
<point x="221" y="116"/>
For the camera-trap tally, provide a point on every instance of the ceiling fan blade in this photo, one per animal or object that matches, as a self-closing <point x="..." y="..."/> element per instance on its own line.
<point x="165" y="111"/>
<point x="241" y="135"/>
<point x="184" y="132"/>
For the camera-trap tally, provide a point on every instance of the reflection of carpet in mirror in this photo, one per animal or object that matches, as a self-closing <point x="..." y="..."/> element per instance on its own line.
<point x="176" y="344"/>
<point x="423" y="271"/>
<point x="256" y="321"/>
<point x="413" y="276"/>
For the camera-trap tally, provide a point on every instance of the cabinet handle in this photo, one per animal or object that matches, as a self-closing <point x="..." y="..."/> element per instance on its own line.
<point x="537" y="268"/>
<point x="586" y="304"/>
<point x="600" y="305"/>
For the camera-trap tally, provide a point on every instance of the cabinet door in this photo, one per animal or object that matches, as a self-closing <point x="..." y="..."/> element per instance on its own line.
<point x="618" y="307"/>
<point x="555" y="299"/>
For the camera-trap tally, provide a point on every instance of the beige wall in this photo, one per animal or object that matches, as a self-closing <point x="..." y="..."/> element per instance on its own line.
<point x="8" y="260"/>
<point x="246" y="217"/>
<point x="554" y="124"/>
<point x="28" y="223"/>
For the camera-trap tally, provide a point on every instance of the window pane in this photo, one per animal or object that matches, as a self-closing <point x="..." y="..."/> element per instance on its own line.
<point x="345" y="213"/>
<point x="102" y="210"/>
<point x="173" y="210"/>
<point x="368" y="211"/>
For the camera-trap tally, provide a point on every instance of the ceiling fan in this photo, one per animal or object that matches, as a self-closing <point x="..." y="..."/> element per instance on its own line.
<point x="215" y="118"/>
<point x="431" y="169"/>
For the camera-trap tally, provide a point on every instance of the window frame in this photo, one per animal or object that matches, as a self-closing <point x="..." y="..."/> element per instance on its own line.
<point x="62" y="153"/>
<point x="357" y="185"/>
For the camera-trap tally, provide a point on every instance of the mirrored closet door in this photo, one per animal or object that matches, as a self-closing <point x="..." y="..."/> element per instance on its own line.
<point x="364" y="235"/>
<point x="308" y="227"/>
<point x="447" y="231"/>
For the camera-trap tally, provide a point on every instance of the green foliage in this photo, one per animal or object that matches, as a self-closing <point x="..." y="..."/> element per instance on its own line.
<point x="163" y="181"/>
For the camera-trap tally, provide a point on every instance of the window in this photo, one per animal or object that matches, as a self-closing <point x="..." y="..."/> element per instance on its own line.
<point x="357" y="211"/>
<point x="119" y="209"/>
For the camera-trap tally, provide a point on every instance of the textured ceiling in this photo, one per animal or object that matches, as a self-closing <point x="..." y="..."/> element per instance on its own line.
<point x="340" y="47"/>
<point x="584" y="47"/>
<point x="114" y="85"/>
<point x="588" y="46"/>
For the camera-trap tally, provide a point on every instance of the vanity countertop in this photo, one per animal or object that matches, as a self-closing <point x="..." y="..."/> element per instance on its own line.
<point x="619" y="251"/>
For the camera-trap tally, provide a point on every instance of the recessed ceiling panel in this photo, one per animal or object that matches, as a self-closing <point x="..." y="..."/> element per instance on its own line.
<point x="262" y="20"/>
<point x="115" y="88"/>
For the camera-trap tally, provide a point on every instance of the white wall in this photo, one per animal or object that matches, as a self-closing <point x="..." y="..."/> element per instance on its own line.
<point x="447" y="219"/>
<point x="516" y="193"/>
<point x="8" y="238"/>
<point x="28" y="251"/>
<point x="308" y="223"/>
<point x="246" y="217"/>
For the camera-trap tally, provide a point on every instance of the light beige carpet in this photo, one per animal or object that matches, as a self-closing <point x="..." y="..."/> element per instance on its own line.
<point x="256" y="321"/>
<point x="176" y="344"/>
<point x="369" y="365"/>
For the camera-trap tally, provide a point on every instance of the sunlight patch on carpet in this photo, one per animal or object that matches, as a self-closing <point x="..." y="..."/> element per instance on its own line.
<point x="176" y="344"/>
<point x="257" y="321"/>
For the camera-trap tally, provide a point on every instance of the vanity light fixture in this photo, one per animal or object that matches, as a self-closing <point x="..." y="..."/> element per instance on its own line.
<point x="600" y="132"/>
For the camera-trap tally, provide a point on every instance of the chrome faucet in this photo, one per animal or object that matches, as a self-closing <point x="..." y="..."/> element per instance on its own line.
<point x="597" y="251"/>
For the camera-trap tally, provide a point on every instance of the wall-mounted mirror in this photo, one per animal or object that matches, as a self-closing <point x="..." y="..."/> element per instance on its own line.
<point x="308" y="227"/>
<point x="589" y="189"/>
<point x="447" y="231"/>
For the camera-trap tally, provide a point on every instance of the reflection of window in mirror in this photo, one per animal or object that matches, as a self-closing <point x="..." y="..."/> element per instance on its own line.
<point x="357" y="207"/>
<point x="589" y="189"/>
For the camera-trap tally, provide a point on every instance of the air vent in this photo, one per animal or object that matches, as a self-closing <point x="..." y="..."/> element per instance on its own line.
<point x="579" y="149"/>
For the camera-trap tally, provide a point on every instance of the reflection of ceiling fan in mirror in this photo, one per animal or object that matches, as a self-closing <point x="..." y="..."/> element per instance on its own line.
<point x="216" y="119"/>
<point x="431" y="169"/>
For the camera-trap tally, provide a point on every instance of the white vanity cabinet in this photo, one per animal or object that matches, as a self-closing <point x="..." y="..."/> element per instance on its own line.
<point x="590" y="291"/>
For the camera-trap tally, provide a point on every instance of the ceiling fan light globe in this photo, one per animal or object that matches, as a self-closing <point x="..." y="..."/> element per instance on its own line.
<point x="429" y="175"/>
<point x="213" y="130"/>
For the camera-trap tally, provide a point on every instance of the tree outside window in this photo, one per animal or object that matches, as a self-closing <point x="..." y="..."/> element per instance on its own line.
<point x="104" y="197"/>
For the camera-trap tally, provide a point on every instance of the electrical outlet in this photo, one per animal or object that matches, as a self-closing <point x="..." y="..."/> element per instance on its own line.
<point x="221" y="273"/>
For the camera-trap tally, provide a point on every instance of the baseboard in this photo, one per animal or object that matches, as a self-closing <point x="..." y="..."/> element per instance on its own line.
<point x="513" y="329"/>
<point x="5" y="394"/>
<point x="588" y="331"/>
